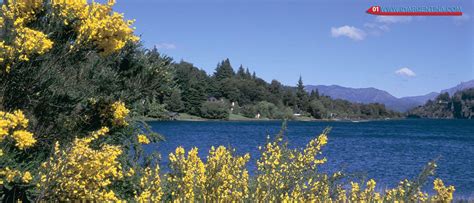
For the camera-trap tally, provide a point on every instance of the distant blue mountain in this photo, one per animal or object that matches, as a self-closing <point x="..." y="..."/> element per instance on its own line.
<point x="373" y="95"/>
<point x="461" y="86"/>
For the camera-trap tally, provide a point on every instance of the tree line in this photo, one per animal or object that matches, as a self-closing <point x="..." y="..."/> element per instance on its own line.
<point x="226" y="92"/>
<point x="459" y="106"/>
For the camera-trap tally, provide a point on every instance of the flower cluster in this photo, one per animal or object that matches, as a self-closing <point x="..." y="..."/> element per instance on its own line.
<point x="29" y="41"/>
<point x="187" y="178"/>
<point x="13" y="127"/>
<point x="150" y="186"/>
<point x="80" y="172"/>
<point x="443" y="193"/>
<point x="13" y="132"/>
<point x="12" y="175"/>
<point x="226" y="176"/>
<point x="97" y="23"/>
<point x="142" y="139"/>
<point x="223" y="178"/>
<point x="25" y="41"/>
<point x="291" y="174"/>
<point x="119" y="113"/>
<point x="367" y="195"/>
<point x="94" y="23"/>
<point x="22" y="11"/>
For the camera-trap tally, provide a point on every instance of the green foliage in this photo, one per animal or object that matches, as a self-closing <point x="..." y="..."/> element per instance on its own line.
<point x="174" y="101"/>
<point x="317" y="109"/>
<point x="272" y="100"/>
<point x="194" y="84"/>
<point x="215" y="110"/>
<point x="224" y="70"/>
<point x="460" y="105"/>
<point x="157" y="110"/>
<point x="302" y="96"/>
<point x="267" y="110"/>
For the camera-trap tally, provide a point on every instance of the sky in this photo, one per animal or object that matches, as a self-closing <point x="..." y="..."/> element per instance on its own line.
<point x="326" y="42"/>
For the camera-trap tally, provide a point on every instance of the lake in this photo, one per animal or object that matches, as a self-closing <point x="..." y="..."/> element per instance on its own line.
<point x="388" y="151"/>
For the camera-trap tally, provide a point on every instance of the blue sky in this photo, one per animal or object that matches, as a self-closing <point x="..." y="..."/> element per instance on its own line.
<point x="327" y="42"/>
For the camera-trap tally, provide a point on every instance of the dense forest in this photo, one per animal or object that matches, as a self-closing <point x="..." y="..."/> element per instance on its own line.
<point x="460" y="106"/>
<point x="241" y="92"/>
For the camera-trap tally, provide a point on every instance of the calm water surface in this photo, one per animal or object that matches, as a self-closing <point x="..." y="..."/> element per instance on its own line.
<point x="388" y="151"/>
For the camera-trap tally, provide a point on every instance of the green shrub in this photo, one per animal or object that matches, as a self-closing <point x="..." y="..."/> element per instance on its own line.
<point x="215" y="110"/>
<point x="267" y="110"/>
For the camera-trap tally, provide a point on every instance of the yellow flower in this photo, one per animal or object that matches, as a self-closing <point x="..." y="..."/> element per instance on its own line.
<point x="187" y="175"/>
<point x="226" y="175"/>
<point x="119" y="113"/>
<point x="97" y="24"/>
<point x="143" y="139"/>
<point x="24" y="139"/>
<point x="150" y="185"/>
<point x="443" y="193"/>
<point x="29" y="41"/>
<point x="19" y="119"/>
<point x="26" y="177"/>
<point x="82" y="172"/>
<point x="130" y="172"/>
<point x="22" y="11"/>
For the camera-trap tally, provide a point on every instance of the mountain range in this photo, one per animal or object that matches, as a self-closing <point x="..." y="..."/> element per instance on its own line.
<point x="373" y="95"/>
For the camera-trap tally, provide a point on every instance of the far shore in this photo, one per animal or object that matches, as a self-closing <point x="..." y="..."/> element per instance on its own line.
<point x="235" y="117"/>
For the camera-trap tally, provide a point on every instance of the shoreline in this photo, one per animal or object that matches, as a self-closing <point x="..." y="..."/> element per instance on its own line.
<point x="241" y="118"/>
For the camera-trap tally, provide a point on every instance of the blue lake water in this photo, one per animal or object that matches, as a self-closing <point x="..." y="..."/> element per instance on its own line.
<point x="388" y="151"/>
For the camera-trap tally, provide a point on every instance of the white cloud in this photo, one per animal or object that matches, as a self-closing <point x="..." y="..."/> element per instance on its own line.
<point x="393" y="19"/>
<point x="165" y="46"/>
<point x="380" y="25"/>
<point x="405" y="72"/>
<point x="348" y="31"/>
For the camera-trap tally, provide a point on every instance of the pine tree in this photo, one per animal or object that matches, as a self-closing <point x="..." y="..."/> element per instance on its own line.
<point x="247" y="74"/>
<point x="302" y="96"/>
<point x="314" y="95"/>
<point x="173" y="101"/>
<point x="224" y="70"/>
<point x="241" y="72"/>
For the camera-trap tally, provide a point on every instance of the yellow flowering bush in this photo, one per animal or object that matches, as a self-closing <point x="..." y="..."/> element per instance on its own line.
<point x="80" y="172"/>
<point x="94" y="23"/>
<point x="90" y="170"/>
<point x="226" y="176"/>
<point x="443" y="193"/>
<point x="119" y="113"/>
<point x="292" y="174"/>
<point x="22" y="11"/>
<point x="187" y="177"/>
<point x="12" y="175"/>
<point x="14" y="140"/>
<point x="25" y="41"/>
<point x="150" y="186"/>
<point x="223" y="177"/>
<point x="13" y="127"/>
<point x="366" y="195"/>
<point x="29" y="41"/>
<point x="97" y="23"/>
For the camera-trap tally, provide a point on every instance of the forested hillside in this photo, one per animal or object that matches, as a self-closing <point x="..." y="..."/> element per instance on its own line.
<point x="226" y="91"/>
<point x="460" y="105"/>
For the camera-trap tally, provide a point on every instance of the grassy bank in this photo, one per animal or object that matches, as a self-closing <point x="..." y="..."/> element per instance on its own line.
<point x="239" y="117"/>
